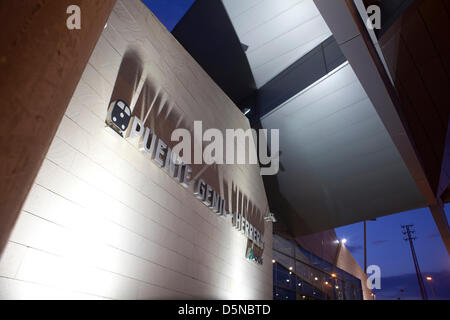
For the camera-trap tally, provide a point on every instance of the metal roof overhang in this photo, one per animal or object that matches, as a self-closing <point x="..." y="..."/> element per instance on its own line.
<point x="346" y="153"/>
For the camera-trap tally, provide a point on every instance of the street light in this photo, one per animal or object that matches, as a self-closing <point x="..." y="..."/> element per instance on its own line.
<point x="344" y="241"/>
<point x="430" y="281"/>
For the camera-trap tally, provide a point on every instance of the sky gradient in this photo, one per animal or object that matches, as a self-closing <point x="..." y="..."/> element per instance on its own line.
<point x="387" y="249"/>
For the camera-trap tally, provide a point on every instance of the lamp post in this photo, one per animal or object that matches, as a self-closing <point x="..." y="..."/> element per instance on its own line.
<point x="365" y="251"/>
<point x="430" y="281"/>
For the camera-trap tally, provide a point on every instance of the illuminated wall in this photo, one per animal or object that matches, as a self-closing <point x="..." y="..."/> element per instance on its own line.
<point x="102" y="220"/>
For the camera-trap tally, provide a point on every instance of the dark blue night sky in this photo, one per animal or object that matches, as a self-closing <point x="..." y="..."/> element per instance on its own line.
<point x="385" y="244"/>
<point x="169" y="12"/>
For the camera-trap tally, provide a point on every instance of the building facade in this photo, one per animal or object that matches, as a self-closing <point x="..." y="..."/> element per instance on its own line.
<point x="104" y="220"/>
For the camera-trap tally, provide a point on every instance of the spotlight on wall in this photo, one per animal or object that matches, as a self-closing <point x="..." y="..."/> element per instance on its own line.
<point x="270" y="218"/>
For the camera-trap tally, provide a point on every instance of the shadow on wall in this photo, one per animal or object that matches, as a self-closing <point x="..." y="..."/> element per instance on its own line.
<point x="152" y="104"/>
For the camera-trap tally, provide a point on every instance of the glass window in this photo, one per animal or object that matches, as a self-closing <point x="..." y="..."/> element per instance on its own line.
<point x="285" y="279"/>
<point x="338" y="290"/>
<point x="307" y="289"/>
<point x="349" y="291"/>
<point x="284" y="260"/>
<point x="298" y="274"/>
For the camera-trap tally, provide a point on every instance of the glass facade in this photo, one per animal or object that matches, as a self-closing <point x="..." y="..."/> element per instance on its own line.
<point x="300" y="275"/>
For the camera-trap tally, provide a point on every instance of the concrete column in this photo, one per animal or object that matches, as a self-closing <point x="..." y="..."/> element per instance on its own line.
<point x="41" y="62"/>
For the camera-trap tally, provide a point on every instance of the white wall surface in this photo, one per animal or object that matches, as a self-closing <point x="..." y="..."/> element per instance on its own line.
<point x="103" y="222"/>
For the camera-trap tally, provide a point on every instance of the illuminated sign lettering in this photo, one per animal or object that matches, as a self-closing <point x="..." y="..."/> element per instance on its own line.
<point x="130" y="127"/>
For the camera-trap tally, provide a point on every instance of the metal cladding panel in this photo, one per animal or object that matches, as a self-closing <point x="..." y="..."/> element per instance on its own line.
<point x="207" y="34"/>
